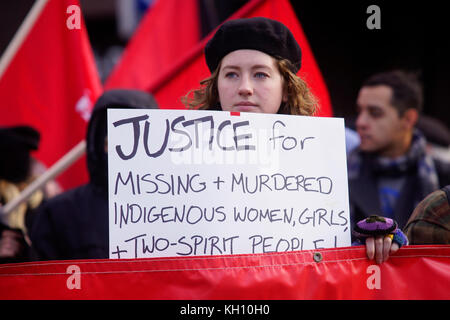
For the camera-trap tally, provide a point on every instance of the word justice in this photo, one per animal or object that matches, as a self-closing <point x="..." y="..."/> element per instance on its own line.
<point x="241" y="140"/>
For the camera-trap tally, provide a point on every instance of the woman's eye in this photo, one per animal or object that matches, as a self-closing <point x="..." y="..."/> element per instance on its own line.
<point x="261" y="75"/>
<point x="231" y="75"/>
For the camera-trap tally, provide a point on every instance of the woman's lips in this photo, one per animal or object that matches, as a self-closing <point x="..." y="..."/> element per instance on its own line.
<point x="244" y="106"/>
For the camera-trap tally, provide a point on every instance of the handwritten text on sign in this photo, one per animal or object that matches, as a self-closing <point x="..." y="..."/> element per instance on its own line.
<point x="210" y="183"/>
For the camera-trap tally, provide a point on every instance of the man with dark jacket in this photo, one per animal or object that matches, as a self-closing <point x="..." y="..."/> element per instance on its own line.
<point x="390" y="172"/>
<point x="75" y="224"/>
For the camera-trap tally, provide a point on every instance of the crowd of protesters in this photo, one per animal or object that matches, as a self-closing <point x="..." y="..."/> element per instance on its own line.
<point x="395" y="181"/>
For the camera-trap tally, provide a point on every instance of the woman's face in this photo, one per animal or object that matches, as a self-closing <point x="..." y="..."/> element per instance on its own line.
<point x="249" y="81"/>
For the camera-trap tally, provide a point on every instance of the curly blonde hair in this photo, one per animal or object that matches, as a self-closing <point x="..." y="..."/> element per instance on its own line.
<point x="301" y="101"/>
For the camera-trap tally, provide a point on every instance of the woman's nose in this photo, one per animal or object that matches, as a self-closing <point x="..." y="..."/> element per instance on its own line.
<point x="245" y="87"/>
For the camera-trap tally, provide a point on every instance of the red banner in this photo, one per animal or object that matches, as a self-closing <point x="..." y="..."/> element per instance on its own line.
<point x="414" y="272"/>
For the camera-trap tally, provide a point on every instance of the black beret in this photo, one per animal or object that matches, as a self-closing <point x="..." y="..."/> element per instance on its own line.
<point x="262" y="34"/>
<point x="19" y="136"/>
<point x="15" y="146"/>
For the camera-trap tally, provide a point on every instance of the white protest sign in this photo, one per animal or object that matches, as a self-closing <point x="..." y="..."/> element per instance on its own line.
<point x="185" y="182"/>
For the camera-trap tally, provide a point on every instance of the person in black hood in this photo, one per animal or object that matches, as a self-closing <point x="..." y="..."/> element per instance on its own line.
<point x="16" y="145"/>
<point x="75" y="225"/>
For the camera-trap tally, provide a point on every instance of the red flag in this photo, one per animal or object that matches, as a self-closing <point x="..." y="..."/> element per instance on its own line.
<point x="48" y="80"/>
<point x="179" y="76"/>
<point x="168" y="29"/>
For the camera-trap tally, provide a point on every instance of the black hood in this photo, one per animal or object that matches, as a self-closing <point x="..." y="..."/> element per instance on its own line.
<point x="97" y="160"/>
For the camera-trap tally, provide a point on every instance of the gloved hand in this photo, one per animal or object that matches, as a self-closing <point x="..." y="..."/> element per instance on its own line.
<point x="381" y="237"/>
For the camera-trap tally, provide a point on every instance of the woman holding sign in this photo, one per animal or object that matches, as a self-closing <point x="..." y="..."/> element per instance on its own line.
<point x="253" y="64"/>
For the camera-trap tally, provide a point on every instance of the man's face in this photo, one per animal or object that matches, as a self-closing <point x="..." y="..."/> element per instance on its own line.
<point x="379" y="125"/>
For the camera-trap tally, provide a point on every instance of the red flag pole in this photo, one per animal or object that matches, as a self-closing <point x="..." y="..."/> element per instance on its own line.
<point x="21" y="34"/>
<point x="70" y="157"/>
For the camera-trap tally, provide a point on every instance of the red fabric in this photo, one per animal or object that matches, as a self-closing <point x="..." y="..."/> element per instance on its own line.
<point x="175" y="77"/>
<point x="168" y="29"/>
<point x="50" y="72"/>
<point x="414" y="272"/>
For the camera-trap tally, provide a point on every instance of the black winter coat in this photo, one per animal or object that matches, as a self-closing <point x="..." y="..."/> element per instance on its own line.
<point x="74" y="224"/>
